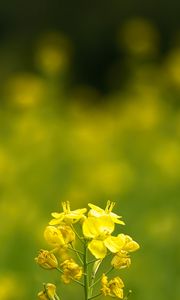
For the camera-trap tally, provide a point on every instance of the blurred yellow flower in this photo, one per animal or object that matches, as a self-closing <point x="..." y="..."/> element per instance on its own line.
<point x="46" y="260"/>
<point x="11" y="286"/>
<point x="113" y="288"/>
<point x="110" y="177"/>
<point x="172" y="67"/>
<point x="8" y="166"/>
<point x="139" y="37"/>
<point x="71" y="270"/>
<point x="96" y="211"/>
<point x="167" y="158"/>
<point x="99" y="230"/>
<point x="53" y="53"/>
<point x="67" y="216"/>
<point x="25" y="90"/>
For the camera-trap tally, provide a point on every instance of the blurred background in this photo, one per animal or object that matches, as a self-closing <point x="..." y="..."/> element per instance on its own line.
<point x="90" y="111"/>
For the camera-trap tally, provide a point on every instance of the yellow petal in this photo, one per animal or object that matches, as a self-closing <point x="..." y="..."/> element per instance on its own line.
<point x="57" y="215"/>
<point x="53" y="236"/>
<point x="130" y="244"/>
<point x="105" y="224"/>
<point x="97" y="248"/>
<point x="95" y="211"/>
<point x="55" y="221"/>
<point x="67" y="215"/>
<point x="98" y="227"/>
<point x="67" y="233"/>
<point x="42" y="296"/>
<point x="121" y="260"/>
<point x="90" y="227"/>
<point x="51" y="290"/>
<point x="116" y="287"/>
<point x="116" y="218"/>
<point x="80" y="211"/>
<point x="58" y="218"/>
<point x="114" y="244"/>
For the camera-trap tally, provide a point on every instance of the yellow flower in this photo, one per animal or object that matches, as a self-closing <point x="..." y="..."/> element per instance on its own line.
<point x="59" y="236"/>
<point x="129" y="245"/>
<point x="113" y="288"/>
<point x="71" y="270"/>
<point x="96" y="211"/>
<point x="99" y="230"/>
<point x="67" y="233"/>
<point x="46" y="260"/>
<point x="68" y="216"/>
<point x="49" y="292"/>
<point x="122" y="259"/>
<point x="54" y="236"/>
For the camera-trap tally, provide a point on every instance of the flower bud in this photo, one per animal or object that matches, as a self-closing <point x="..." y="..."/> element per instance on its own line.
<point x="113" y="288"/>
<point x="46" y="260"/>
<point x="42" y="296"/>
<point x="53" y="236"/>
<point x="67" y="233"/>
<point x="48" y="293"/>
<point x="121" y="260"/>
<point x="71" y="270"/>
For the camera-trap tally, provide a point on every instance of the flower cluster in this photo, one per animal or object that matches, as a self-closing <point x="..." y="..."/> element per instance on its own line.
<point x="88" y="235"/>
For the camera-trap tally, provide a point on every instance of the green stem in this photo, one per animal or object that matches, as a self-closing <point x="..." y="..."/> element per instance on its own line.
<point x="97" y="295"/>
<point x="61" y="271"/>
<point x="76" y="233"/>
<point x="128" y="294"/>
<point x="86" y="279"/>
<point x="91" y="261"/>
<point x="77" y="253"/>
<point x="75" y="250"/>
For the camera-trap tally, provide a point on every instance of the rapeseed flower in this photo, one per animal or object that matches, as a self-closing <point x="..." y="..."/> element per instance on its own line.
<point x="68" y="216"/>
<point x="46" y="260"/>
<point x="59" y="236"/>
<point x="96" y="211"/>
<point x="54" y="236"/>
<point x="71" y="270"/>
<point x="129" y="244"/>
<point x="113" y="288"/>
<point x="99" y="230"/>
<point x="67" y="233"/>
<point x="122" y="258"/>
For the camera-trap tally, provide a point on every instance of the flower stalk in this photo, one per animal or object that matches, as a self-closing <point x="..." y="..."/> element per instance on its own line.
<point x="86" y="275"/>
